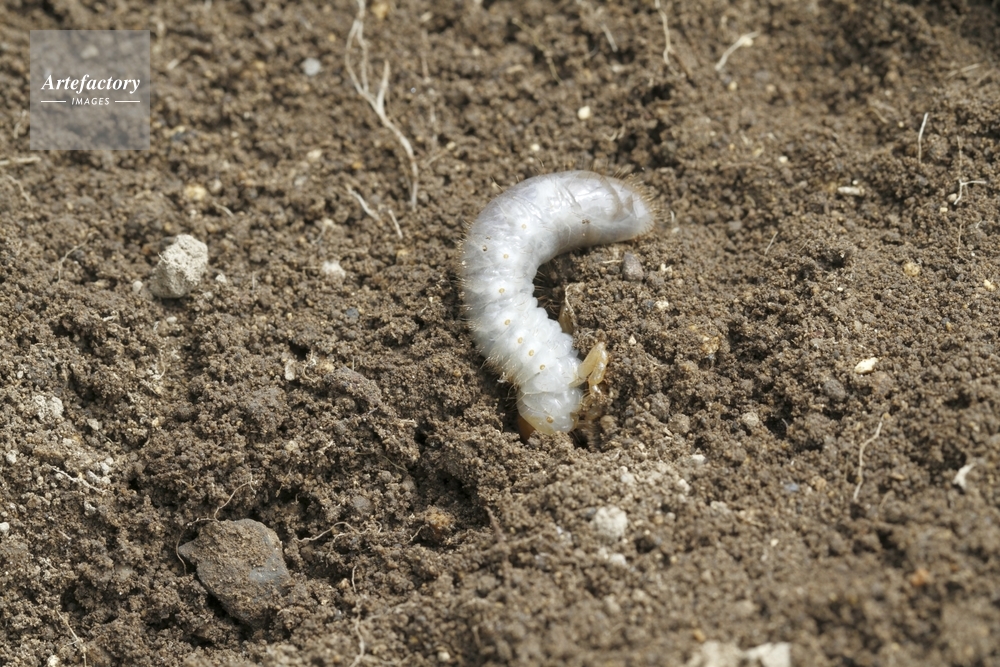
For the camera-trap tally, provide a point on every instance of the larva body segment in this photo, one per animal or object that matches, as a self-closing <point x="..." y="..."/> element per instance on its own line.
<point x="517" y="232"/>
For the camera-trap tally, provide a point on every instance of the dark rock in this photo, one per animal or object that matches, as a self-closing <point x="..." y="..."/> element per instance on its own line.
<point x="632" y="268"/>
<point x="241" y="564"/>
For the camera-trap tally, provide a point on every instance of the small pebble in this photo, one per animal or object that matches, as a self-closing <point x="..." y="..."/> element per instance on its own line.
<point x="180" y="269"/>
<point x="750" y="419"/>
<point x="718" y="654"/>
<point x="195" y="192"/>
<point x="960" y="479"/>
<point x="4" y="528"/>
<point x="632" y="268"/>
<point x="583" y="113"/>
<point x="311" y="67"/>
<point x="618" y="560"/>
<point x="380" y="9"/>
<point x="866" y="366"/>
<point x="770" y="655"/>
<point x="333" y="269"/>
<point x="610" y="523"/>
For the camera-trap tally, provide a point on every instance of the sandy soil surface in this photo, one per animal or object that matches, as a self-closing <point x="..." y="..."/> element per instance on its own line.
<point x="829" y="196"/>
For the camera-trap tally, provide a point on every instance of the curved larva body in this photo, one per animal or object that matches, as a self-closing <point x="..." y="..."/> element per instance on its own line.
<point x="517" y="232"/>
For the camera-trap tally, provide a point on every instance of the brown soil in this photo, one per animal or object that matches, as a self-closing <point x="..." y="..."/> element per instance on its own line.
<point x="417" y="527"/>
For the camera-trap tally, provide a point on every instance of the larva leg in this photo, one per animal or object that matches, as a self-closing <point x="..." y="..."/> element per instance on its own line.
<point x="594" y="366"/>
<point x="592" y="371"/>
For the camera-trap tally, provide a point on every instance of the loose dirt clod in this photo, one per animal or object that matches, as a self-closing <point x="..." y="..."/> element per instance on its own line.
<point x="610" y="523"/>
<point x="180" y="268"/>
<point x="47" y="408"/>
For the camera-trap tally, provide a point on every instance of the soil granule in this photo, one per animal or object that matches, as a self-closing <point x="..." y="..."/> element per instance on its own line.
<point x="829" y="196"/>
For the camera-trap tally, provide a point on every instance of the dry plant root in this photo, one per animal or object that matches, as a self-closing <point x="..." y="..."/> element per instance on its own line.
<point x="377" y="101"/>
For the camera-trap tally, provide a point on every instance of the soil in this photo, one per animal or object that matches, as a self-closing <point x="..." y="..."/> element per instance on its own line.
<point x="828" y="196"/>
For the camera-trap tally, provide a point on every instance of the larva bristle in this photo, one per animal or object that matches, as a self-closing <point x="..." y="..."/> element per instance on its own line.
<point x="623" y="173"/>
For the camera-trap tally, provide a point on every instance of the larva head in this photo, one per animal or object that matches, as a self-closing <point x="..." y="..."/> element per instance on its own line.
<point x="636" y="209"/>
<point x="603" y="209"/>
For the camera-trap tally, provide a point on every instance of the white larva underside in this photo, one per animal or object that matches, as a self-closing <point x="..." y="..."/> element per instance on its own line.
<point x="517" y="232"/>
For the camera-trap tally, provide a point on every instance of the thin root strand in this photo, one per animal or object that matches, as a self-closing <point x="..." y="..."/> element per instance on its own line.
<point x="377" y="101"/>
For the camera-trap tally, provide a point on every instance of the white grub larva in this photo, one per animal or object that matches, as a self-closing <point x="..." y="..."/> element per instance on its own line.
<point x="516" y="233"/>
